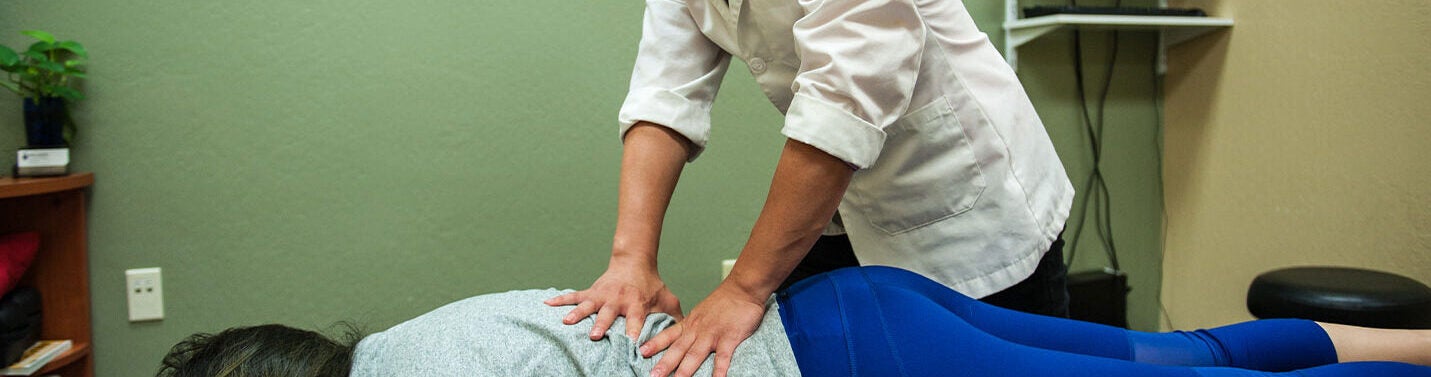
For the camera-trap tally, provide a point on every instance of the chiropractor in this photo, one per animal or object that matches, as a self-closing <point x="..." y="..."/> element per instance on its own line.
<point x="903" y="125"/>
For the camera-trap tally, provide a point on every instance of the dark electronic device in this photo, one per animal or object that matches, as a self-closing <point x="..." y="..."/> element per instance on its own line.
<point x="1037" y="11"/>
<point x="1099" y="297"/>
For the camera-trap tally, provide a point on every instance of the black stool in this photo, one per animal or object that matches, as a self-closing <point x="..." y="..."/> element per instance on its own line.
<point x="1341" y="295"/>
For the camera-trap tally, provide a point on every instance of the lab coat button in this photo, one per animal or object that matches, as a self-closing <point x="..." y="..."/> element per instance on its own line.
<point x="757" y="65"/>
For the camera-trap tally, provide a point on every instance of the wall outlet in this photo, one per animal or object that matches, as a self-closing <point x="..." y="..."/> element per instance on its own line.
<point x="725" y="267"/>
<point x="146" y="294"/>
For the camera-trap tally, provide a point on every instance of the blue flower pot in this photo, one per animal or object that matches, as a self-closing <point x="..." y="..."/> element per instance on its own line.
<point x="45" y="122"/>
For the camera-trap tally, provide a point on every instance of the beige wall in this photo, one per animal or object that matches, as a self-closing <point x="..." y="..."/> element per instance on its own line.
<point x="1300" y="136"/>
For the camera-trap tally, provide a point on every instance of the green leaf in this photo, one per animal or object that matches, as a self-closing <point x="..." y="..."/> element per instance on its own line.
<point x="67" y="92"/>
<point x="42" y="47"/>
<point x="73" y="47"/>
<point x="40" y="34"/>
<point x="8" y="57"/>
<point x="51" y="66"/>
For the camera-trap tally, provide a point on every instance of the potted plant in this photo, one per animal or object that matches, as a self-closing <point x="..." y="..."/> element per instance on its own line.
<point x="44" y="76"/>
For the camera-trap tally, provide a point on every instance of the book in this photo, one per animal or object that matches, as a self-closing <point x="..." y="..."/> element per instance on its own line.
<point x="37" y="356"/>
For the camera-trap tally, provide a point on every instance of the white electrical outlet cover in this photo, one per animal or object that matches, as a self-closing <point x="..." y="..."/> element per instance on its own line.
<point x="146" y="294"/>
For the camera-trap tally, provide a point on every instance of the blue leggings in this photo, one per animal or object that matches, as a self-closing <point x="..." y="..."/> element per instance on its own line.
<point x="882" y="321"/>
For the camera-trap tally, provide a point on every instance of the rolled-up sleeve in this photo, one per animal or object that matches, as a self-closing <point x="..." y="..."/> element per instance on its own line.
<point x="858" y="63"/>
<point x="677" y="74"/>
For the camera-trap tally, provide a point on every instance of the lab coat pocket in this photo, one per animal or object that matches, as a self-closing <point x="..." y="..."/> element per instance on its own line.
<point x="926" y="172"/>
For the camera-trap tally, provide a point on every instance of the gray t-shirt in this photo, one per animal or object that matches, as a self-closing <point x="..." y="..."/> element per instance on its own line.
<point x="515" y="334"/>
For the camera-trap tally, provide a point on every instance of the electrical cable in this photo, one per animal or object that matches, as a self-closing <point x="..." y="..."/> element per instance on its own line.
<point x="1077" y="234"/>
<point x="1095" y="188"/>
<point x="1162" y="199"/>
<point x="1105" y="213"/>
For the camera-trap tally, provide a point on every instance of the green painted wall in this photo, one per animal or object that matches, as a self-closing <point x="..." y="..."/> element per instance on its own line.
<point x="308" y="162"/>
<point x="1131" y="143"/>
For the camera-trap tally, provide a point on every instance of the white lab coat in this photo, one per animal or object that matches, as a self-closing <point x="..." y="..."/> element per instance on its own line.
<point x="957" y="178"/>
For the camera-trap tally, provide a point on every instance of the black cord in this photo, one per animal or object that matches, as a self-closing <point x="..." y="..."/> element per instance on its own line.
<point x="1162" y="200"/>
<point x="1105" y="214"/>
<point x="1095" y="188"/>
<point x="1077" y="234"/>
<point x="1093" y="185"/>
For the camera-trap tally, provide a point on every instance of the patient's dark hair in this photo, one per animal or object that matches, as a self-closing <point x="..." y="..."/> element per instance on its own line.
<point x="265" y="350"/>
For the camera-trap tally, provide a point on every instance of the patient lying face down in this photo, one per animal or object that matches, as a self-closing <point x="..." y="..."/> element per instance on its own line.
<point x="502" y="334"/>
<point x="866" y="320"/>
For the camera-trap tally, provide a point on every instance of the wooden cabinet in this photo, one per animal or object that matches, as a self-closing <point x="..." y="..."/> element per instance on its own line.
<point x="55" y="207"/>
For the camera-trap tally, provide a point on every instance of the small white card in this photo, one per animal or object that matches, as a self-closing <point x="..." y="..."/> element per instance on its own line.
<point x="48" y="157"/>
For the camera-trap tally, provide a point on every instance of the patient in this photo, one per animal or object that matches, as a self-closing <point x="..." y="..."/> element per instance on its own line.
<point x="872" y="321"/>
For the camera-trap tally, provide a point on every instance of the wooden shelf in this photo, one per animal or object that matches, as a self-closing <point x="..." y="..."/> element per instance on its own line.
<point x="55" y="208"/>
<point x="76" y="352"/>
<point x="11" y="187"/>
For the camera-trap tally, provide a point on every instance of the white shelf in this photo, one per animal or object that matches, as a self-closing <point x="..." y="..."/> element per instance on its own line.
<point x="1174" y="29"/>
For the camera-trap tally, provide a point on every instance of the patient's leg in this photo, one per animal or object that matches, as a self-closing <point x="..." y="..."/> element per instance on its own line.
<point x="868" y="322"/>
<point x="1274" y="345"/>
<point x="1367" y="344"/>
<point x="1280" y="344"/>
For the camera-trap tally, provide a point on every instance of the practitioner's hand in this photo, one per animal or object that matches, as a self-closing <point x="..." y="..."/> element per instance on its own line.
<point x="630" y="292"/>
<point x="717" y="325"/>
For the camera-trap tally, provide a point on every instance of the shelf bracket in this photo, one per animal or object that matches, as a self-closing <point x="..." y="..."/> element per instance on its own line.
<point x="1019" y="37"/>
<point x="1173" y="36"/>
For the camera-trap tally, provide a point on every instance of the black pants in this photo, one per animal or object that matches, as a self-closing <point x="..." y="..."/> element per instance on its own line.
<point x="1045" y="292"/>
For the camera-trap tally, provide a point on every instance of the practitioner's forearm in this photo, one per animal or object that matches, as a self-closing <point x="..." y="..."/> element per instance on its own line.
<point x="631" y="287"/>
<point x="651" y="163"/>
<point x="804" y="194"/>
